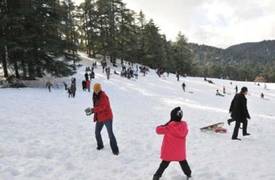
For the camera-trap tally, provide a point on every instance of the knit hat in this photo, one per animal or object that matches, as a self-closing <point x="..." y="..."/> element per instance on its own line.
<point x="97" y="88"/>
<point x="176" y="114"/>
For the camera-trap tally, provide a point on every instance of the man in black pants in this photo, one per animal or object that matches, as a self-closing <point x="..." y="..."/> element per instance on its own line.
<point x="239" y="113"/>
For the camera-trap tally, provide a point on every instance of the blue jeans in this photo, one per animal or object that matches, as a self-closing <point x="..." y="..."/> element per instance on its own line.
<point x="109" y="126"/>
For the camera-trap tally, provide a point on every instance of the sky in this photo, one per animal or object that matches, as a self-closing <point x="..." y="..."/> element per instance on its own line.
<point x="219" y="23"/>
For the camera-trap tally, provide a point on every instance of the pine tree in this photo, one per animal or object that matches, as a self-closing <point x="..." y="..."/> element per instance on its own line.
<point x="153" y="45"/>
<point x="3" y="37"/>
<point x="182" y="55"/>
<point x="90" y="27"/>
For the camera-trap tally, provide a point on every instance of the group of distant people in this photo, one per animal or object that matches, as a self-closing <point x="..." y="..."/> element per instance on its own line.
<point x="129" y="72"/>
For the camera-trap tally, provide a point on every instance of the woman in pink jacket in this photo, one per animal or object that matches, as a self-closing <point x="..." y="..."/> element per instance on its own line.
<point x="174" y="143"/>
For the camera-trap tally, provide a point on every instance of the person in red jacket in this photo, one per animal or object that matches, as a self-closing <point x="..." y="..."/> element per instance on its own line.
<point x="88" y="85"/>
<point x="174" y="143"/>
<point x="103" y="116"/>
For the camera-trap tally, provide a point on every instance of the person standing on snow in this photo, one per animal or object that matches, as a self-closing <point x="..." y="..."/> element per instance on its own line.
<point x="84" y="85"/>
<point x="223" y="90"/>
<point x="108" y="72"/>
<point x="73" y="87"/>
<point x="174" y="143"/>
<point x="86" y="76"/>
<point x="88" y="85"/>
<point x="262" y="95"/>
<point x="92" y="75"/>
<point x="103" y="116"/>
<point x="239" y="113"/>
<point x="178" y="76"/>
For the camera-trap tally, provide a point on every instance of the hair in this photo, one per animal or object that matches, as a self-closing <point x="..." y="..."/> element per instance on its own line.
<point x="176" y="114"/>
<point x="244" y="90"/>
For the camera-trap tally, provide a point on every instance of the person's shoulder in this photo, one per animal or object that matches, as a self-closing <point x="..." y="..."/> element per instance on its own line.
<point x="239" y="95"/>
<point x="183" y="122"/>
<point x="103" y="93"/>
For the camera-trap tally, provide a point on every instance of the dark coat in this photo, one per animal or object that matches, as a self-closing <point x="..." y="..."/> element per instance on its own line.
<point x="238" y="108"/>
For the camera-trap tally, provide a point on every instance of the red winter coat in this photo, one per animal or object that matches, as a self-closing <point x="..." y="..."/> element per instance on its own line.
<point x="174" y="142"/>
<point x="88" y="84"/>
<point x="102" y="108"/>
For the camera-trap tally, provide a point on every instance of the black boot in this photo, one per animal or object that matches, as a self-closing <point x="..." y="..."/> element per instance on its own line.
<point x="99" y="147"/>
<point x="236" y="139"/>
<point x="156" y="177"/>
<point x="116" y="153"/>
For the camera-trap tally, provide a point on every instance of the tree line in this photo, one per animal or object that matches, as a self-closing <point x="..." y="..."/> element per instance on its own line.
<point x="39" y="37"/>
<point x="43" y="36"/>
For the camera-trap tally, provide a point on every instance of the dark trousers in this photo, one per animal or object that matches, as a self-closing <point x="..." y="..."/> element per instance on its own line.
<point x="109" y="126"/>
<point x="237" y="127"/>
<point x="164" y="164"/>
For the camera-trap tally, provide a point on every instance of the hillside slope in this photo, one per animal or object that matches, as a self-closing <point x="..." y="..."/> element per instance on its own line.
<point x="46" y="136"/>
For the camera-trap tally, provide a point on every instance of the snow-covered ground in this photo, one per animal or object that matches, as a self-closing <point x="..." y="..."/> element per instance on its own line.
<point x="46" y="136"/>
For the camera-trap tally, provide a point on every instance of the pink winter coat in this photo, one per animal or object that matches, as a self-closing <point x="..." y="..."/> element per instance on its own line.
<point x="174" y="141"/>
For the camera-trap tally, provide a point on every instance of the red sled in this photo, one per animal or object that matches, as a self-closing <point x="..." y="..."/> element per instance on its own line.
<point x="220" y="130"/>
<point x="217" y="128"/>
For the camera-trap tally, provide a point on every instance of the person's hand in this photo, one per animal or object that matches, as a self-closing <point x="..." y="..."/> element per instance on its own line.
<point x="88" y="111"/>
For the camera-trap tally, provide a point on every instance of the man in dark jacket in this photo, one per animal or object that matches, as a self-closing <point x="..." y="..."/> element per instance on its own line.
<point x="239" y="113"/>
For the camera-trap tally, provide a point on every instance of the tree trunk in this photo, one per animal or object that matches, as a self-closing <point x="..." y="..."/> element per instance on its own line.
<point x="24" y="69"/>
<point x="30" y="70"/>
<point x="39" y="72"/>
<point x="30" y="65"/>
<point x="4" y="62"/>
<point x="16" y="70"/>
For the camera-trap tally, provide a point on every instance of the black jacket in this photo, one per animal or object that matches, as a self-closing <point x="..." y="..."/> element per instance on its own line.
<point x="238" y="108"/>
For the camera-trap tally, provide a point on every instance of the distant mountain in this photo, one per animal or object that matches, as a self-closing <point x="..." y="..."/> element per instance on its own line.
<point x="246" y="53"/>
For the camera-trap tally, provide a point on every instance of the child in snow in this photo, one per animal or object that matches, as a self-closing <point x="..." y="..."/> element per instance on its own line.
<point x="174" y="143"/>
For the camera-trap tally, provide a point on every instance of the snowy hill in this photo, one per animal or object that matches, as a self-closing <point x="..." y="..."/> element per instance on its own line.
<point x="46" y="136"/>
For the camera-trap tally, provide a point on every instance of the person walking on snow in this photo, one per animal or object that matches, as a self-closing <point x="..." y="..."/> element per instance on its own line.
<point x="103" y="116"/>
<point x="183" y="86"/>
<point x="174" y="143"/>
<point x="49" y="85"/>
<point x="239" y="113"/>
